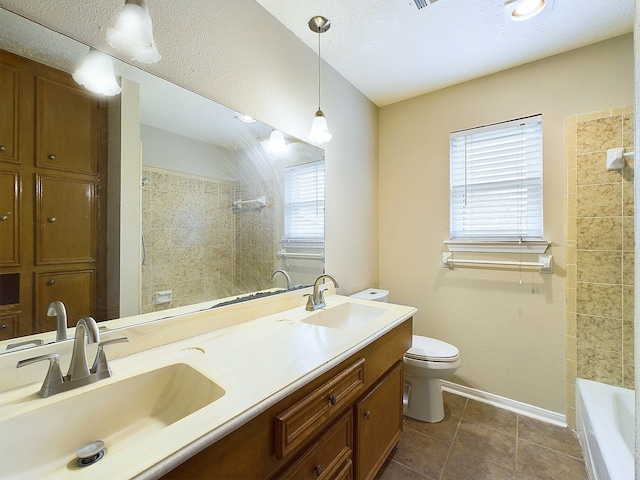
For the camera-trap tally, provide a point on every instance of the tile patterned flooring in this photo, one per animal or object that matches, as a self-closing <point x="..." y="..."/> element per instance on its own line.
<point x="476" y="441"/>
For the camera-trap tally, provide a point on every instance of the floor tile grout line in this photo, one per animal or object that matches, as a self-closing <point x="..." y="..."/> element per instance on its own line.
<point x="453" y="440"/>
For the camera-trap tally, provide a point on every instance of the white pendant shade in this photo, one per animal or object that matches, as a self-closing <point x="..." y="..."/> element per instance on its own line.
<point x="276" y="142"/>
<point x="96" y="74"/>
<point x="132" y="35"/>
<point x="319" y="130"/>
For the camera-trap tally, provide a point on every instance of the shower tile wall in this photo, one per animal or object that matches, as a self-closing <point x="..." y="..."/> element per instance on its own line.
<point x="188" y="225"/>
<point x="600" y="243"/>
<point x="255" y="236"/>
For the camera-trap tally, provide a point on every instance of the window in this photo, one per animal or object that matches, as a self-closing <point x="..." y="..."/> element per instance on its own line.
<point x="304" y="202"/>
<point x="496" y="181"/>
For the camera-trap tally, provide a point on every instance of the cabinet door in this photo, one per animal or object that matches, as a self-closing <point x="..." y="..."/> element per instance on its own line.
<point x="66" y="220"/>
<point x="73" y="288"/>
<point x="378" y="423"/>
<point x="9" y="114"/>
<point x="9" y="325"/>
<point x="9" y="219"/>
<point x="66" y="128"/>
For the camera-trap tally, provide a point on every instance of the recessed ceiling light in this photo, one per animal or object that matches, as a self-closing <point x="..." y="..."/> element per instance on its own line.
<point x="520" y="10"/>
<point x="246" y="118"/>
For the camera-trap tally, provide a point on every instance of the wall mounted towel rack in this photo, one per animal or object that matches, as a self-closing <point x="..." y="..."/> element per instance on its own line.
<point x="261" y="201"/>
<point x="283" y="254"/>
<point x="544" y="262"/>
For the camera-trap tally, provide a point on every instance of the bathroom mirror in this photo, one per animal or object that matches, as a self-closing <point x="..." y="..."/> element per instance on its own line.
<point x="207" y="190"/>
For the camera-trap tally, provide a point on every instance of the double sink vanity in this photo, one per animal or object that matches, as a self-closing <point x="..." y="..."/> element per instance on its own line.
<point x="258" y="389"/>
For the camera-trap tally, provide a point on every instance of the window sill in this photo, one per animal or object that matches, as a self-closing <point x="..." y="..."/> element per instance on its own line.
<point x="529" y="246"/>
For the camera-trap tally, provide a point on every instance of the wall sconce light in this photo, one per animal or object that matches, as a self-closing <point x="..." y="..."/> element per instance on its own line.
<point x="132" y="33"/>
<point x="96" y="74"/>
<point x="319" y="130"/>
<point x="520" y="10"/>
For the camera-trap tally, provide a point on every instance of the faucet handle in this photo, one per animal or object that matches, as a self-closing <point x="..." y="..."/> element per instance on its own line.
<point x="310" y="303"/>
<point x="100" y="364"/>
<point x="54" y="374"/>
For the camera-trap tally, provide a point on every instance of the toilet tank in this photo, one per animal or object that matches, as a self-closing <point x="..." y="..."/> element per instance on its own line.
<point x="375" y="294"/>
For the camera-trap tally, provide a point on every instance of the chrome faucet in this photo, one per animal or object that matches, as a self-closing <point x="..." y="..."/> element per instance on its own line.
<point x="316" y="299"/>
<point x="79" y="373"/>
<point x="56" y="309"/>
<point x="86" y="332"/>
<point x="286" y="274"/>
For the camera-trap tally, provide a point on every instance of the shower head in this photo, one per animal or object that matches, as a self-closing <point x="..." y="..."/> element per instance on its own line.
<point x="145" y="182"/>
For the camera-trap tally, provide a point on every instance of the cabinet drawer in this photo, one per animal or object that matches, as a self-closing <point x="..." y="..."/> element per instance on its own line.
<point x="311" y="414"/>
<point x="329" y="457"/>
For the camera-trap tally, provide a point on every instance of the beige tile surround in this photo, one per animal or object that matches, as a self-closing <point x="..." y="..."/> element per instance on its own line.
<point x="196" y="245"/>
<point x="600" y="252"/>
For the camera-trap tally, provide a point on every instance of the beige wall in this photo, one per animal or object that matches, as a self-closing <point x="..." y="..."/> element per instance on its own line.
<point x="508" y="325"/>
<point x="238" y="54"/>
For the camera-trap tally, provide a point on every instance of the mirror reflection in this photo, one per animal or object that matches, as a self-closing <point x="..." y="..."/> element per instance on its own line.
<point x="142" y="202"/>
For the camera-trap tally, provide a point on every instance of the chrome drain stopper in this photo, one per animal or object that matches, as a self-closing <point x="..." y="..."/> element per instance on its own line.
<point x="90" y="453"/>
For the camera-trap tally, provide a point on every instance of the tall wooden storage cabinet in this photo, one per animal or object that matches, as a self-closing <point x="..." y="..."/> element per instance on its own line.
<point x="53" y="142"/>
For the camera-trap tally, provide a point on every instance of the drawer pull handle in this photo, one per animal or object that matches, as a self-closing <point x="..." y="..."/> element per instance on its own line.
<point x="3" y="148"/>
<point x="333" y="399"/>
<point x="367" y="415"/>
<point x="51" y="219"/>
<point x="51" y="156"/>
<point x="318" y="470"/>
<point x="51" y="282"/>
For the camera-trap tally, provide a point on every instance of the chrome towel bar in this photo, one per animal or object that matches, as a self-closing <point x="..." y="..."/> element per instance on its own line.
<point x="544" y="262"/>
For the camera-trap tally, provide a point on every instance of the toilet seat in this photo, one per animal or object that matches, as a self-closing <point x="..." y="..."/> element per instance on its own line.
<point x="432" y="350"/>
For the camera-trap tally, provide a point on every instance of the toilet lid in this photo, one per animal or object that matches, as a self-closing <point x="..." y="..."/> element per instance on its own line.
<point x="425" y="348"/>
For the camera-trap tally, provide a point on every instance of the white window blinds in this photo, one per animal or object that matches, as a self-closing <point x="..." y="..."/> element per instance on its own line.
<point x="496" y="181"/>
<point x="304" y="202"/>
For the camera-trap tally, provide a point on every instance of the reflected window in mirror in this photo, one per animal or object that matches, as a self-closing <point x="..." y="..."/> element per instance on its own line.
<point x="303" y="240"/>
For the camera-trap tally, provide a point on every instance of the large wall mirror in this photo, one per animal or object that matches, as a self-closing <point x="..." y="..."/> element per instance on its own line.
<point x="196" y="202"/>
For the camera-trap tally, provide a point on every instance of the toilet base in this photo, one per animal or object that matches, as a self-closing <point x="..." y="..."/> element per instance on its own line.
<point x="423" y="399"/>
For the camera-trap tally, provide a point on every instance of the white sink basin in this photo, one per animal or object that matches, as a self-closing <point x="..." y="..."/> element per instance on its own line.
<point x="43" y="442"/>
<point x="346" y="316"/>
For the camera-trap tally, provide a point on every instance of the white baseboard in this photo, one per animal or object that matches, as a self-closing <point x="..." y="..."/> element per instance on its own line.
<point x="506" y="403"/>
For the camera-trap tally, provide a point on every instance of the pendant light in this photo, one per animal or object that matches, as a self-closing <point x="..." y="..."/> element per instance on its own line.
<point x="132" y="33"/>
<point x="319" y="131"/>
<point x="96" y="74"/>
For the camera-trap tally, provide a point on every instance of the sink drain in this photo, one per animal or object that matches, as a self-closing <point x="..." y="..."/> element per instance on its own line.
<point x="90" y="453"/>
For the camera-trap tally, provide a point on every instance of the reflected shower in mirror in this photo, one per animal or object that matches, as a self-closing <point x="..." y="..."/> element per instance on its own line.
<point x="195" y="202"/>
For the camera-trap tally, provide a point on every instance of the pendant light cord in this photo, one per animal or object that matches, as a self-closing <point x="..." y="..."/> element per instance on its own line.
<point x="319" y="62"/>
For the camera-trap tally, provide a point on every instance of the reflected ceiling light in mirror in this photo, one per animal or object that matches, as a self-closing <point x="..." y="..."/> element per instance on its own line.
<point x="276" y="142"/>
<point x="132" y="34"/>
<point x="520" y="10"/>
<point x="96" y="74"/>
<point x="319" y="130"/>
<point x="245" y="118"/>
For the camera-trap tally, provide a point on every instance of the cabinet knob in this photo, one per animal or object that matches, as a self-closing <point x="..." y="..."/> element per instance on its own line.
<point x="2" y="327"/>
<point x="3" y="148"/>
<point x="52" y="219"/>
<point x="367" y="415"/>
<point x="51" y="156"/>
<point x="51" y="282"/>
<point x="318" y="470"/>
<point x="333" y="399"/>
<point x="3" y="218"/>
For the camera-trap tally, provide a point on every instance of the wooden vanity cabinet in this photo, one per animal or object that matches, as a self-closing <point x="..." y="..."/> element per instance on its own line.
<point x="320" y="431"/>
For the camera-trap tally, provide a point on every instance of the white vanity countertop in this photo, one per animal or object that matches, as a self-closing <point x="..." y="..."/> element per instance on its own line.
<point x="256" y="362"/>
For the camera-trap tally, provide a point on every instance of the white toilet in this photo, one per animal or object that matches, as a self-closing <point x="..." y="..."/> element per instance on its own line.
<point x="425" y="364"/>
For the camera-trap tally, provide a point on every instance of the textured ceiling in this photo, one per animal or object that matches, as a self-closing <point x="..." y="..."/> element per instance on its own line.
<point x="390" y="50"/>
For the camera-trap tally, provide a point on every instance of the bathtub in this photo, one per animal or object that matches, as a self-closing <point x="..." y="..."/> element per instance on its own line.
<point x="606" y="426"/>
